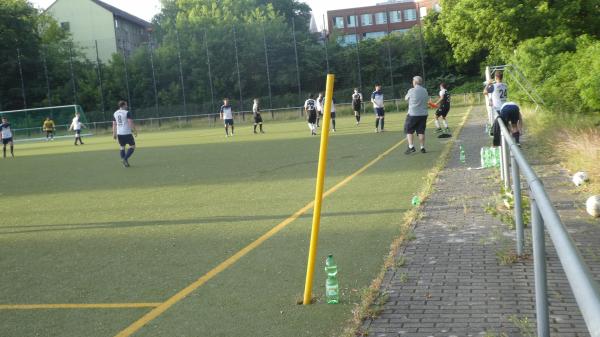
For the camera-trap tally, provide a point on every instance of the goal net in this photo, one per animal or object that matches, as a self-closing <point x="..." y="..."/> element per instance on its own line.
<point x="27" y="124"/>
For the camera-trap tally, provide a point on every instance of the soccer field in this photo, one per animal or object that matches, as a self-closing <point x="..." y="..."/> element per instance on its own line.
<point x="98" y="246"/>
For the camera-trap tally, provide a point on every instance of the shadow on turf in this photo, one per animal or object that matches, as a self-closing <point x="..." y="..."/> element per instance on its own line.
<point x="193" y="222"/>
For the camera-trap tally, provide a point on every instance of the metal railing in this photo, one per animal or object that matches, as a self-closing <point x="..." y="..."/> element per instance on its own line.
<point x="544" y="216"/>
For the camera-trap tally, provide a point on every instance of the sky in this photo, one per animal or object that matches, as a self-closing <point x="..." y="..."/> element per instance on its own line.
<point x="146" y="9"/>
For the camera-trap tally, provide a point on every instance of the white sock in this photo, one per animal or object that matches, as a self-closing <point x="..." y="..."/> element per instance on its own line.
<point x="422" y="146"/>
<point x="445" y="124"/>
<point x="411" y="146"/>
<point x="437" y="124"/>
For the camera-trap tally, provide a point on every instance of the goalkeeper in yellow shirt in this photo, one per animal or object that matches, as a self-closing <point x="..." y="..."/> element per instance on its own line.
<point x="48" y="127"/>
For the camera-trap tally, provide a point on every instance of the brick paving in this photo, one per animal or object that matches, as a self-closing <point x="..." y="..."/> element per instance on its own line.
<point x="452" y="283"/>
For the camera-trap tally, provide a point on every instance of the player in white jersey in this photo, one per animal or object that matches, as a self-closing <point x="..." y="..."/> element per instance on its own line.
<point x="7" y="137"/>
<point x="257" y="117"/>
<point x="497" y="92"/>
<point x="76" y="125"/>
<point x="226" y="114"/>
<point x="357" y="99"/>
<point x="123" y="131"/>
<point x="319" y="101"/>
<point x="310" y="107"/>
<point x="378" y="107"/>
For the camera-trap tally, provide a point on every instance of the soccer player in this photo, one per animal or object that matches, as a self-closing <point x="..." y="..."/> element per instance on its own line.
<point x="48" y="127"/>
<point x="123" y="127"/>
<point x="357" y="104"/>
<point x="497" y="92"/>
<point x="226" y="115"/>
<point x="511" y="116"/>
<point x="443" y="108"/>
<point x="332" y="114"/>
<point x="310" y="107"/>
<point x="416" y="120"/>
<point x="257" y="117"/>
<point x="7" y="137"/>
<point x="319" y="107"/>
<point x="377" y="100"/>
<point x="76" y="125"/>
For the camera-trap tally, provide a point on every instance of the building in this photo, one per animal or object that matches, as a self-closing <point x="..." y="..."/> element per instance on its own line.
<point x="99" y="28"/>
<point x="354" y="24"/>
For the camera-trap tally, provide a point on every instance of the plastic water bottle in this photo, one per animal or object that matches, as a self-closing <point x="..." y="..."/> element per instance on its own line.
<point x="332" y="287"/>
<point x="415" y="201"/>
<point x="462" y="154"/>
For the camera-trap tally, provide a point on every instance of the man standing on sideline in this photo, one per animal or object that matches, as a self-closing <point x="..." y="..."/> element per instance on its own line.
<point x="310" y="108"/>
<point x="7" y="137"/>
<point x="48" y="128"/>
<point x="122" y="131"/>
<point x="257" y="117"/>
<point x="377" y="100"/>
<point x="357" y="104"/>
<point x="497" y="92"/>
<point x="76" y="125"/>
<point x="226" y="114"/>
<point x="416" y="120"/>
<point x="444" y="107"/>
<point x="319" y="106"/>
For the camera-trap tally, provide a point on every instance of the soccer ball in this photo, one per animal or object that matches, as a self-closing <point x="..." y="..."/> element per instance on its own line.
<point x="580" y="178"/>
<point x="592" y="206"/>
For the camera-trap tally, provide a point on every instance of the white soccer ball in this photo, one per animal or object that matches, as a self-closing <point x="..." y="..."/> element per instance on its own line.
<point x="580" y="178"/>
<point x="592" y="205"/>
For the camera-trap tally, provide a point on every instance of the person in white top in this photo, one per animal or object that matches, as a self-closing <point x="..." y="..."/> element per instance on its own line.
<point x="7" y="136"/>
<point x="319" y="101"/>
<point x="357" y="99"/>
<point x="310" y="108"/>
<point x="497" y="92"/>
<point x="76" y="126"/>
<point x="226" y="114"/>
<point x="257" y="117"/>
<point x="123" y="131"/>
<point x="378" y="107"/>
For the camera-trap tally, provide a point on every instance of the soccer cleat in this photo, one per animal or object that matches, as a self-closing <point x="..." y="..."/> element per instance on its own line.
<point x="410" y="150"/>
<point x="125" y="163"/>
<point x="423" y="150"/>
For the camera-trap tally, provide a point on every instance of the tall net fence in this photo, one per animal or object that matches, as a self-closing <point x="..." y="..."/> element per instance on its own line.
<point x="28" y="123"/>
<point x="189" y="72"/>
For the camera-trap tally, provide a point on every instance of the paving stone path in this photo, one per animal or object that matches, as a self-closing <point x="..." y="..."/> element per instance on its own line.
<point x="452" y="283"/>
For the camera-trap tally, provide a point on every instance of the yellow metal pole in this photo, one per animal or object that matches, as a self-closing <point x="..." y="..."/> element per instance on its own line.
<point x="314" y="235"/>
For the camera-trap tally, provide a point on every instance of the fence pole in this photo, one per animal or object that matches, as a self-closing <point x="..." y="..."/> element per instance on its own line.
<point x="516" y="179"/>
<point x="151" y="47"/>
<point x="22" y="79"/>
<point x="389" y="52"/>
<point x="210" y="82"/>
<point x="181" y="74"/>
<point x="73" y="83"/>
<point x="99" y="73"/>
<point x="505" y="159"/>
<point x="297" y="63"/>
<point x="325" y="40"/>
<point x="237" y="65"/>
<point x="539" y="266"/>
<point x="126" y="73"/>
<point x="358" y="55"/>
<point x="46" y="77"/>
<point x="267" y="67"/>
<point x="421" y="42"/>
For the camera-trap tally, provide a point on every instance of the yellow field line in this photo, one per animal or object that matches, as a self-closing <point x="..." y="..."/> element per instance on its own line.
<point x="154" y="313"/>
<point x="78" y="306"/>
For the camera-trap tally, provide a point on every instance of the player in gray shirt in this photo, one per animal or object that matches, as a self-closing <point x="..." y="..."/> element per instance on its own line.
<point x="416" y="120"/>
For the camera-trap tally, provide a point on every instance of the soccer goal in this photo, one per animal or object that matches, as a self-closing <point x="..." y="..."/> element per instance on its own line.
<point x="27" y="124"/>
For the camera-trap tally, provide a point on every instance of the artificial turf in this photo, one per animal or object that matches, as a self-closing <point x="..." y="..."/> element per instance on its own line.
<point x="77" y="227"/>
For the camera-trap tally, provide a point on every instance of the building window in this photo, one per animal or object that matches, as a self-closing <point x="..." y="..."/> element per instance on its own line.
<point x="116" y="23"/>
<point x="423" y="12"/>
<point x="350" y="39"/>
<point x="399" y="31"/>
<point x="351" y="21"/>
<point x="381" y="18"/>
<point x="373" y="35"/>
<point x="366" y="19"/>
<point x="395" y="16"/>
<point x="410" y="15"/>
<point x="65" y="26"/>
<point x="338" y="22"/>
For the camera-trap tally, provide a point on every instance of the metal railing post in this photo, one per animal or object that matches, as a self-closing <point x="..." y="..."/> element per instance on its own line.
<point x="539" y="267"/>
<point x="506" y="163"/>
<point x="516" y="179"/>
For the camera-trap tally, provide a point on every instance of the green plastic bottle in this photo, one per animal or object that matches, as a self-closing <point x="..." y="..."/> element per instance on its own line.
<point x="462" y="154"/>
<point x="415" y="201"/>
<point x="332" y="287"/>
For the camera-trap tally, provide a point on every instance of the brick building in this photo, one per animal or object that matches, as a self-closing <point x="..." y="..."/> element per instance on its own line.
<point x="353" y="24"/>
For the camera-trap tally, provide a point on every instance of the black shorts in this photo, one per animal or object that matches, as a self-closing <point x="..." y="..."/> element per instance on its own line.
<point x="356" y="108"/>
<point x="49" y="132"/>
<point x="320" y="113"/>
<point x="333" y="115"/>
<point x="442" y="112"/>
<point x="510" y="113"/>
<point x="229" y="122"/>
<point x="6" y="140"/>
<point x="312" y="117"/>
<point x="126" y="140"/>
<point x="379" y="112"/>
<point x="257" y="119"/>
<point x="415" y="124"/>
<point x="77" y="133"/>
